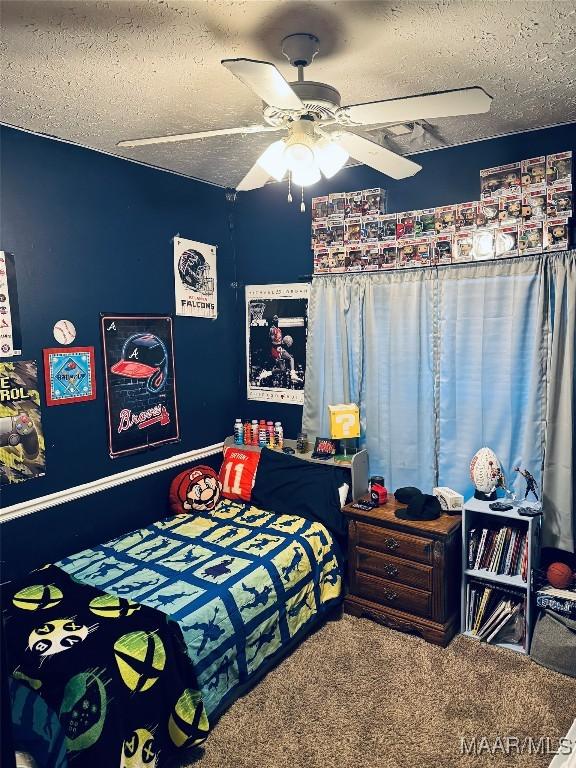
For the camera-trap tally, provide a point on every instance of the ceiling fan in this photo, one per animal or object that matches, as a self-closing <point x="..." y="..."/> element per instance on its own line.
<point x="320" y="135"/>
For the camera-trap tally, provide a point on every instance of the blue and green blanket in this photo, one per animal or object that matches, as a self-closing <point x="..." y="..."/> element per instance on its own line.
<point x="243" y="584"/>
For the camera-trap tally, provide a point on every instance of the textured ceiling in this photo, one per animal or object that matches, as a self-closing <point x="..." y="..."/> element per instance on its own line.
<point x="98" y="72"/>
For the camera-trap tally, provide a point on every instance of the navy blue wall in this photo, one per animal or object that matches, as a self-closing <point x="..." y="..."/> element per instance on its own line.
<point x="273" y="237"/>
<point x="92" y="233"/>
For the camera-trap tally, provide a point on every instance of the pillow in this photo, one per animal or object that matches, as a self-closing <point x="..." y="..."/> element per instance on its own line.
<point x="288" y="485"/>
<point x="238" y="472"/>
<point x="196" y="489"/>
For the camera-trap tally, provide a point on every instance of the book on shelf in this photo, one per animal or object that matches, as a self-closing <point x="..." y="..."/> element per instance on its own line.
<point x="494" y="614"/>
<point x="502" y="550"/>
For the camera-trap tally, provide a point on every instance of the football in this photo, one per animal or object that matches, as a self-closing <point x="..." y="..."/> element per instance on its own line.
<point x="485" y="471"/>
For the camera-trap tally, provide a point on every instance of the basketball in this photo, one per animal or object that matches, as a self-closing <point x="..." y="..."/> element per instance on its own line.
<point x="559" y="575"/>
<point x="287" y="341"/>
<point x="37" y="597"/>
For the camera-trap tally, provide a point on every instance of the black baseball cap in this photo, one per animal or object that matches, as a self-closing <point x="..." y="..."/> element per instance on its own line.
<point x="422" y="506"/>
<point x="406" y="493"/>
<point x="143" y="354"/>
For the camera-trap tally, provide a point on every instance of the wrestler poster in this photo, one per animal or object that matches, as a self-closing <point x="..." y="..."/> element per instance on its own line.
<point x="276" y="333"/>
<point x="21" y="438"/>
<point x="142" y="409"/>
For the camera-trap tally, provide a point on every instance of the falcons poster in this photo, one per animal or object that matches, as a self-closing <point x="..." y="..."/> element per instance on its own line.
<point x="195" y="278"/>
<point x="276" y="332"/>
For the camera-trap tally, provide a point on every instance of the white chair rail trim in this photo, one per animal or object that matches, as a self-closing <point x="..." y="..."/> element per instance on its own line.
<point x="105" y="483"/>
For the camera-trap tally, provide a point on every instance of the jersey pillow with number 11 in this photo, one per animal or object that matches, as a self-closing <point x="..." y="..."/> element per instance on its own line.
<point x="238" y="473"/>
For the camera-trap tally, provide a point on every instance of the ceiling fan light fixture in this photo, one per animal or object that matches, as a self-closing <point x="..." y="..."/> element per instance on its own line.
<point x="273" y="160"/>
<point x="298" y="156"/>
<point x="304" y="177"/>
<point x="299" y="152"/>
<point x="330" y="156"/>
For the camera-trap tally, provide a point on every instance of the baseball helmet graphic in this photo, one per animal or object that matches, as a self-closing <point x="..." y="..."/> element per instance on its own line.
<point x="144" y="356"/>
<point x="195" y="271"/>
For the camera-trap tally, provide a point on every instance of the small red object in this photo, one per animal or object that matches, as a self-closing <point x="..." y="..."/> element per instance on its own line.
<point x="378" y="492"/>
<point x="559" y="575"/>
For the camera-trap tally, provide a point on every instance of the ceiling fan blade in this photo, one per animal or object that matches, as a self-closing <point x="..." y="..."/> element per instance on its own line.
<point x="377" y="156"/>
<point x="199" y="135"/>
<point x="465" y="101"/>
<point x="265" y="81"/>
<point x="256" y="177"/>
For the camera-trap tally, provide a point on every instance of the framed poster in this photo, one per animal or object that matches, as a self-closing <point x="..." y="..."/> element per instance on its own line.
<point x="195" y="282"/>
<point x="140" y="383"/>
<point x="10" y="335"/>
<point x="22" y="454"/>
<point x="276" y="332"/>
<point x="69" y="375"/>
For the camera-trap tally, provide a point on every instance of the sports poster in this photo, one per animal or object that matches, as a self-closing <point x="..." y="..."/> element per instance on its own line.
<point x="10" y="336"/>
<point x="22" y="454"/>
<point x="276" y="332"/>
<point x="195" y="278"/>
<point x="69" y="375"/>
<point x="141" y="403"/>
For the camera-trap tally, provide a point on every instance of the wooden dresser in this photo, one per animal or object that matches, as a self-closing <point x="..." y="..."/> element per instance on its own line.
<point x="405" y="574"/>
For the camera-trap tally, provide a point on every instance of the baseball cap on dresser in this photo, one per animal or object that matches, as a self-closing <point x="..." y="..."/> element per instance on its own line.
<point x="144" y="356"/>
<point x="422" y="506"/>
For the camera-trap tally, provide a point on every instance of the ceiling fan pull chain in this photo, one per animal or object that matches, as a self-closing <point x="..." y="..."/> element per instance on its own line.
<point x="289" y="186"/>
<point x="302" y="205"/>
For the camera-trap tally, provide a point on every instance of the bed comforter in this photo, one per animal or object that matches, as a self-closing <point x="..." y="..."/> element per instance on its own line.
<point x="243" y="584"/>
<point x="108" y="677"/>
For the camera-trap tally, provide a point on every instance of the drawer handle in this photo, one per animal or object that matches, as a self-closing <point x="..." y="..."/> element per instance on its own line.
<point x="388" y="594"/>
<point x="390" y="570"/>
<point x="390" y="543"/>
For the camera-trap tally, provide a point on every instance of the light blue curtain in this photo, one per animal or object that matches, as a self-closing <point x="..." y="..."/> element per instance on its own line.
<point x="398" y="386"/>
<point x="444" y="361"/>
<point x="559" y="529"/>
<point x="370" y="343"/>
<point x="335" y="351"/>
<point x="491" y="379"/>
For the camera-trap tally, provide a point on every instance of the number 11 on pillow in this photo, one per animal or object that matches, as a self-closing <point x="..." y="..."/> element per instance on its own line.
<point x="238" y="473"/>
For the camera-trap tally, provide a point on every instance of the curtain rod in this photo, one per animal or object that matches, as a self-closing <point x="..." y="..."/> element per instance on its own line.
<point x="514" y="259"/>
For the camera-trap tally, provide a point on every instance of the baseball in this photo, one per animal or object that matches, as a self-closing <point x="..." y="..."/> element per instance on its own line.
<point x="64" y="332"/>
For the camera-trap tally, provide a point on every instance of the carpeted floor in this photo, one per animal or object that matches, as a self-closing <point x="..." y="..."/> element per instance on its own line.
<point x="356" y="694"/>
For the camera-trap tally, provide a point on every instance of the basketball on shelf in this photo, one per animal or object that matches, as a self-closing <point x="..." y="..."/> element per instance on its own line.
<point x="485" y="473"/>
<point x="560" y="575"/>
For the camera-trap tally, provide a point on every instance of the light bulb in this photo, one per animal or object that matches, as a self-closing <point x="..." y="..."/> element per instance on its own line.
<point x="273" y="160"/>
<point x="298" y="156"/>
<point x="306" y="176"/>
<point x="330" y="156"/>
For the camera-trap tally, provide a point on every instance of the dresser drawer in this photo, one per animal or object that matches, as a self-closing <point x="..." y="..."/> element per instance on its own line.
<point x="394" y="542"/>
<point x="395" y="595"/>
<point x="394" y="569"/>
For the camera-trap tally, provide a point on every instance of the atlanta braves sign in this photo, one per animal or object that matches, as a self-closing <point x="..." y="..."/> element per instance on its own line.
<point x="140" y="382"/>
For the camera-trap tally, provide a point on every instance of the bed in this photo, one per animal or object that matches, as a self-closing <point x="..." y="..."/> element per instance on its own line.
<point x="244" y="585"/>
<point x="234" y="585"/>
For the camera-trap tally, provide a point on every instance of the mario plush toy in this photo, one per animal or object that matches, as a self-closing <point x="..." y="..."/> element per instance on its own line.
<point x="195" y="490"/>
